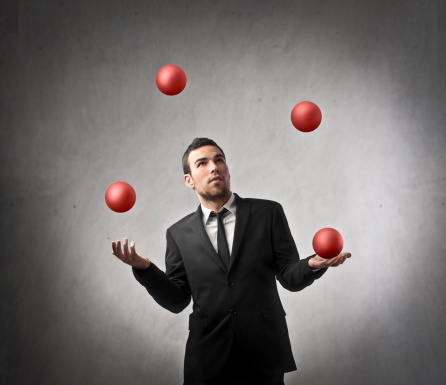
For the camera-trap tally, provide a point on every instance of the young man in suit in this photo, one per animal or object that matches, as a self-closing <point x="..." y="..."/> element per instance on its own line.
<point x="227" y="256"/>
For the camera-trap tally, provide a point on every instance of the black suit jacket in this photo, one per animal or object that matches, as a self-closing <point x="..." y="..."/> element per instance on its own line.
<point x="241" y="302"/>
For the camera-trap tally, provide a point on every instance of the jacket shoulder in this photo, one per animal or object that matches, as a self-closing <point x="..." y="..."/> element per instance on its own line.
<point x="262" y="203"/>
<point x="187" y="220"/>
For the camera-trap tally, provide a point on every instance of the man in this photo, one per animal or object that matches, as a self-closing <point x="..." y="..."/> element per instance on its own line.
<point x="227" y="256"/>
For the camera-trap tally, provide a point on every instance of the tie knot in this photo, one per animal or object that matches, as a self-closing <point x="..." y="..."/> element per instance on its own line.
<point x="220" y="214"/>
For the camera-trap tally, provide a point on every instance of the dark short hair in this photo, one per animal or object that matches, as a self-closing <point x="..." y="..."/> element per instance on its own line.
<point x="197" y="143"/>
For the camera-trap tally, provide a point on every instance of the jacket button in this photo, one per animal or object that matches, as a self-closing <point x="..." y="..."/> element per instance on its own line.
<point x="230" y="284"/>
<point x="233" y="312"/>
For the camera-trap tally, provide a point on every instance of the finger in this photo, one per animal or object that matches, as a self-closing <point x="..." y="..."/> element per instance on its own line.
<point x="132" y="249"/>
<point x="118" y="249"/>
<point x="126" y="247"/>
<point x="335" y="261"/>
<point x="339" y="260"/>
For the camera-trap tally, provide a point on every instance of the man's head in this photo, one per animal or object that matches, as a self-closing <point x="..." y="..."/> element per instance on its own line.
<point x="205" y="170"/>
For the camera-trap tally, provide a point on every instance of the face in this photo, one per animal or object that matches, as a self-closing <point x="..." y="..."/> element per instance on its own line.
<point x="209" y="175"/>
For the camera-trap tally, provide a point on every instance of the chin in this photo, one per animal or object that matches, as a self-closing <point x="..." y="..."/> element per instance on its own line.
<point x="215" y="194"/>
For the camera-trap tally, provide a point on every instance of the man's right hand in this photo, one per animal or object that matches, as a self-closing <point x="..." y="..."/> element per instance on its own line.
<point x="129" y="257"/>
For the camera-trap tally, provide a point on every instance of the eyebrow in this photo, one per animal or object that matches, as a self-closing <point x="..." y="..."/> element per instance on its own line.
<point x="215" y="157"/>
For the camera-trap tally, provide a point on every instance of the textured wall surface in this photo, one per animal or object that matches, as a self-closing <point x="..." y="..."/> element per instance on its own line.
<point x="80" y="110"/>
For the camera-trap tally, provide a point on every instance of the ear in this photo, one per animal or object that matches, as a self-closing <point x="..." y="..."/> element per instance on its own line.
<point x="188" y="181"/>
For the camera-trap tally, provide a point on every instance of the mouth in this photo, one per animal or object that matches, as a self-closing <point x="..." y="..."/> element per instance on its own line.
<point x="216" y="180"/>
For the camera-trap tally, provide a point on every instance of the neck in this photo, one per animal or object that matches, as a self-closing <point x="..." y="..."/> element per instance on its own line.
<point x="214" y="205"/>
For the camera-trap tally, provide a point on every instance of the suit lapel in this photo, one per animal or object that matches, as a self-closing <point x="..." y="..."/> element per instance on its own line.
<point x="242" y="218"/>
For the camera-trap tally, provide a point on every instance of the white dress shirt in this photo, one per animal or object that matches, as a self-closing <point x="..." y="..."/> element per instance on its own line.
<point x="211" y="223"/>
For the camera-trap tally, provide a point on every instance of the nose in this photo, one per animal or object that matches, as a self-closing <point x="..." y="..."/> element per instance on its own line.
<point x="214" y="167"/>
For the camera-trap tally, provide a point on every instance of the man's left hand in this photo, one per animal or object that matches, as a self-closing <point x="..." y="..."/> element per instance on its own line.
<point x="318" y="262"/>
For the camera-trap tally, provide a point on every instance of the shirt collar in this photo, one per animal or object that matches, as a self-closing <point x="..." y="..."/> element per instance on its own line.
<point x="229" y="205"/>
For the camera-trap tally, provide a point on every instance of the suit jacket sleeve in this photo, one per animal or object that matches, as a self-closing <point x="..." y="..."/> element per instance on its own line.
<point x="170" y="289"/>
<point x="293" y="273"/>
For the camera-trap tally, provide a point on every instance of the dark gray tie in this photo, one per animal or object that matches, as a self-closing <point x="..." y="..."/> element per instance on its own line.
<point x="223" y="249"/>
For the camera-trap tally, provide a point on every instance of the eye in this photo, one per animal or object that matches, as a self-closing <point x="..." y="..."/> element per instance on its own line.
<point x="199" y="164"/>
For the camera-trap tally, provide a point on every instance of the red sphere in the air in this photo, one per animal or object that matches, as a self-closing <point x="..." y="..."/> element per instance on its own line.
<point x="328" y="243"/>
<point x="120" y="197"/>
<point x="306" y="116"/>
<point x="171" y="79"/>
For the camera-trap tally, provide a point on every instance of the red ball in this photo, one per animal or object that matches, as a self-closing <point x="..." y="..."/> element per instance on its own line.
<point x="171" y="79"/>
<point x="306" y="116"/>
<point x="328" y="243"/>
<point x="120" y="197"/>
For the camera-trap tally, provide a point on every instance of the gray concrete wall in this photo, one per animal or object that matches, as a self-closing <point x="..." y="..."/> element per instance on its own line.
<point x="80" y="110"/>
